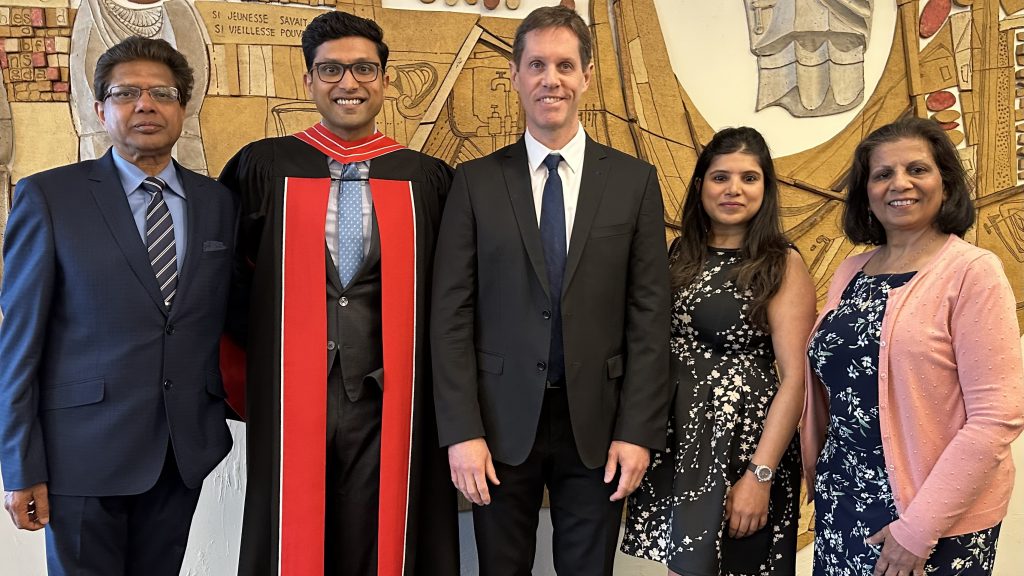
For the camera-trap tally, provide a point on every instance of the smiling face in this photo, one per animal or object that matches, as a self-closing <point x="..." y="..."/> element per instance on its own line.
<point x="143" y="132"/>
<point x="550" y="80"/>
<point x="348" y="107"/>
<point x="904" y="187"/>
<point x="731" y="192"/>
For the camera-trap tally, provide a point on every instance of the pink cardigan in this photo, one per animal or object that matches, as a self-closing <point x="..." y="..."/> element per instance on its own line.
<point x="950" y="394"/>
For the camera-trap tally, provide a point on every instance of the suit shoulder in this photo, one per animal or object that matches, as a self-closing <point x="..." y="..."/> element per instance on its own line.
<point x="267" y="148"/>
<point x="61" y="174"/>
<point x="487" y="162"/>
<point x="424" y="161"/>
<point x="629" y="162"/>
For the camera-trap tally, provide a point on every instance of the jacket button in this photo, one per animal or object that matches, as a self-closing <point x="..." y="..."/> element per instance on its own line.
<point x="546" y="314"/>
<point x="343" y="301"/>
<point x="541" y="366"/>
<point x="331" y="345"/>
<point x="168" y="385"/>
<point x="169" y="329"/>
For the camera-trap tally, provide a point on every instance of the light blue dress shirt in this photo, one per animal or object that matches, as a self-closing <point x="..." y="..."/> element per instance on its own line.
<point x="138" y="199"/>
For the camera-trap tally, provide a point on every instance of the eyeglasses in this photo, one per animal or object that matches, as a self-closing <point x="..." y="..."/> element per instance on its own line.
<point x="333" y="72"/>
<point x="130" y="94"/>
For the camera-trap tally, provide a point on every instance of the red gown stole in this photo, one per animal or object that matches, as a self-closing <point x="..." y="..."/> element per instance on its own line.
<point x="304" y="364"/>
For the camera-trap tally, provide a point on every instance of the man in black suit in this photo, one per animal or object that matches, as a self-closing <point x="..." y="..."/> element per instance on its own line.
<point x="111" y="401"/>
<point x="550" y="322"/>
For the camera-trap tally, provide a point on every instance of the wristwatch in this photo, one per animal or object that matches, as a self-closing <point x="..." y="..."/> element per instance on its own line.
<point x="762" y="473"/>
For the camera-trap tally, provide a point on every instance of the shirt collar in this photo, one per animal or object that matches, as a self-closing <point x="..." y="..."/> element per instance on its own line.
<point x="132" y="176"/>
<point x="571" y="153"/>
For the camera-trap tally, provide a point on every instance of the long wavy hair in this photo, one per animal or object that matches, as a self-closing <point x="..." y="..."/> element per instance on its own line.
<point x="765" y="248"/>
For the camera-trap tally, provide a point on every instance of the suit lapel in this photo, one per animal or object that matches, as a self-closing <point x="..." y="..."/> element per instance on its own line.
<point x="517" y="178"/>
<point x="105" y="186"/>
<point x="592" y="186"/>
<point x="194" y="189"/>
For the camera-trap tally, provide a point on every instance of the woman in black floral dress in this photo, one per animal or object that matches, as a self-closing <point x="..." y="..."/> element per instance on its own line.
<point x="724" y="498"/>
<point x="915" y="381"/>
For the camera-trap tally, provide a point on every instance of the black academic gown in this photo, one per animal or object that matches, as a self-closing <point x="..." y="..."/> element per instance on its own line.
<point x="429" y="545"/>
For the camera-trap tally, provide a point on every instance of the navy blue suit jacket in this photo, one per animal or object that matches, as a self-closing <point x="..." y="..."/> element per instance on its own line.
<point x="96" y="376"/>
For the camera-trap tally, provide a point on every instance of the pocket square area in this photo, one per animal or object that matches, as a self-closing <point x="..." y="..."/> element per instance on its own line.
<point x="213" y="246"/>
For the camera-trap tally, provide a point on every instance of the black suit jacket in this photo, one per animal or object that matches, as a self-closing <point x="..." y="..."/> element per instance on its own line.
<point x="491" y="327"/>
<point x="97" y="376"/>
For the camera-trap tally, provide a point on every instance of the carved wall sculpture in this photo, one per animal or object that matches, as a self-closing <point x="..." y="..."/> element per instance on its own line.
<point x="810" y="53"/>
<point x="450" y="93"/>
<point x="451" y="96"/>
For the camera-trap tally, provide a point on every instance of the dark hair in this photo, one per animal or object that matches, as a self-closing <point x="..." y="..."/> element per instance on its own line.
<point x="957" y="213"/>
<point x="765" y="248"/>
<point x="334" y="25"/>
<point x="135" y="48"/>
<point x="554" y="17"/>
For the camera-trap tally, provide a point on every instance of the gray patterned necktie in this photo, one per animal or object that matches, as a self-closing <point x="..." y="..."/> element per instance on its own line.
<point x="160" y="239"/>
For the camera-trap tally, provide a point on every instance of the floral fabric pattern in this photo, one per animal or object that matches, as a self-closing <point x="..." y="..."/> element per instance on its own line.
<point x="853" y="497"/>
<point x="725" y="381"/>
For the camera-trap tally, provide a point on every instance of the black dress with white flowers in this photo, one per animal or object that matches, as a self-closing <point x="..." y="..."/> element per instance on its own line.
<point x="853" y="498"/>
<point x="725" y="383"/>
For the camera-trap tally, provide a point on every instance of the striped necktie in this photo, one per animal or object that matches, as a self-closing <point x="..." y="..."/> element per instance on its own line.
<point x="160" y="239"/>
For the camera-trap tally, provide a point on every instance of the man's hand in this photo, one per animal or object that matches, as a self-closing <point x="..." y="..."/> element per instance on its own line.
<point x="895" y="559"/>
<point x="29" y="508"/>
<point x="471" y="467"/>
<point x="633" y="461"/>
<point x="746" y="506"/>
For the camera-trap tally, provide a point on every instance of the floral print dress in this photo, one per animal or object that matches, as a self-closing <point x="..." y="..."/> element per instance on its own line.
<point x="725" y="381"/>
<point x="853" y="498"/>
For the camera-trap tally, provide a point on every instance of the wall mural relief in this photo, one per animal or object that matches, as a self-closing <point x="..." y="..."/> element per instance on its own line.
<point x="451" y="95"/>
<point x="810" y="53"/>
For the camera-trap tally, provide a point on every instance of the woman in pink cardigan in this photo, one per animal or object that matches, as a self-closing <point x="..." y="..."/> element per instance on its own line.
<point x="914" y="383"/>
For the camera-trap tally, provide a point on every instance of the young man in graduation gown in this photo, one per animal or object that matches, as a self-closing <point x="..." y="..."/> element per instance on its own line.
<point x="336" y="242"/>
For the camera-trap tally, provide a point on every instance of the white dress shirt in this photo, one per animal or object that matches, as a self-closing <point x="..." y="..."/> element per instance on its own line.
<point x="331" y="225"/>
<point x="570" y="170"/>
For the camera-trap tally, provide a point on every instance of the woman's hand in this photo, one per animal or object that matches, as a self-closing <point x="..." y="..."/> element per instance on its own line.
<point x="746" y="506"/>
<point x="895" y="559"/>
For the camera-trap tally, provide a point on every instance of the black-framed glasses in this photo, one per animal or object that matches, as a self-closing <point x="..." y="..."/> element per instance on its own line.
<point x="130" y="94"/>
<point x="333" y="72"/>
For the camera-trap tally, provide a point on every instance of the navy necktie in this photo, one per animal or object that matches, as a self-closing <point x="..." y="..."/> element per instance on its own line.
<point x="160" y="239"/>
<point x="552" y="235"/>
